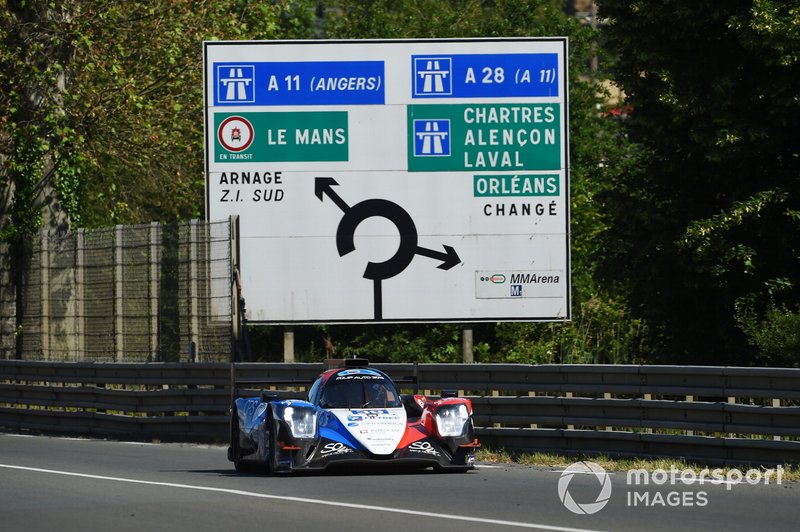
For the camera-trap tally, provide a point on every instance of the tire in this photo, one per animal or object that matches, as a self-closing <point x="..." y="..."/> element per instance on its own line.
<point x="460" y="464"/>
<point x="233" y="450"/>
<point x="272" y="461"/>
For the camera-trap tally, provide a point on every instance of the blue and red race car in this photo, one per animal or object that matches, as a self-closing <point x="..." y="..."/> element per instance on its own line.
<point x="353" y="415"/>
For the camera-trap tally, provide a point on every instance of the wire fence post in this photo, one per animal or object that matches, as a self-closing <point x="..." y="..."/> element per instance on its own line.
<point x="119" y="314"/>
<point x="154" y="260"/>
<point x="45" y="293"/>
<point x="80" y="294"/>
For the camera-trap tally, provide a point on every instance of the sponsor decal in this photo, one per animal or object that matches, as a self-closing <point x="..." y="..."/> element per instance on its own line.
<point x="423" y="447"/>
<point x="384" y="414"/>
<point x="358" y="374"/>
<point x="379" y="430"/>
<point x="334" y="448"/>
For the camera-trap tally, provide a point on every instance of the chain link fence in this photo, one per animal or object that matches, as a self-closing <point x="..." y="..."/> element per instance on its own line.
<point x="138" y="293"/>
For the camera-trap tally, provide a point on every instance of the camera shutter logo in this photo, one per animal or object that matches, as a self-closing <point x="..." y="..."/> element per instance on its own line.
<point x="584" y="468"/>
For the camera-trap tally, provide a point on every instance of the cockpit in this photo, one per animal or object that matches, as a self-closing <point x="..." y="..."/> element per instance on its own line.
<point x="356" y="391"/>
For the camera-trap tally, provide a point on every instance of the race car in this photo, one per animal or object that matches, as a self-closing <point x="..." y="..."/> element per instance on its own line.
<point x="353" y="415"/>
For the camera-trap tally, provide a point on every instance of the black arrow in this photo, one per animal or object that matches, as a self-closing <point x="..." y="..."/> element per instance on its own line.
<point x="323" y="185"/>
<point x="449" y="258"/>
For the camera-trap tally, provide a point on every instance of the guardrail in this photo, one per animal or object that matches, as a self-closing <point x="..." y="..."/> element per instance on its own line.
<point x="712" y="414"/>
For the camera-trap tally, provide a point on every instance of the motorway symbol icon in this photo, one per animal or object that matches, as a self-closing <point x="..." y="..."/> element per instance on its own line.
<point x="433" y="76"/>
<point x="431" y="138"/>
<point x="380" y="271"/>
<point x="236" y="84"/>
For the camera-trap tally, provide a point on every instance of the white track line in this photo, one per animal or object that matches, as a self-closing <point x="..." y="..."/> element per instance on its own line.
<point x="304" y="500"/>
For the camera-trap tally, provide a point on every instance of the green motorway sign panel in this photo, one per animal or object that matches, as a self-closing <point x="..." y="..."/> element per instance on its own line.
<point x="480" y="137"/>
<point x="277" y="136"/>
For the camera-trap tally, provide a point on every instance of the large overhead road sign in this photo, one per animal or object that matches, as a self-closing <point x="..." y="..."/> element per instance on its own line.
<point x="399" y="181"/>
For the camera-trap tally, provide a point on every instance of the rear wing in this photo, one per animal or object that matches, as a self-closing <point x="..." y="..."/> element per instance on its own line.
<point x="266" y="388"/>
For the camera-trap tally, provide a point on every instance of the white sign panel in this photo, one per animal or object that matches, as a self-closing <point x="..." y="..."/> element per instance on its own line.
<point x="397" y="181"/>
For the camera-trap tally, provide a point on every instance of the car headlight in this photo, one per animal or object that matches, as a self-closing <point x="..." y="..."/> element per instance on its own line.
<point x="451" y="420"/>
<point x="302" y="421"/>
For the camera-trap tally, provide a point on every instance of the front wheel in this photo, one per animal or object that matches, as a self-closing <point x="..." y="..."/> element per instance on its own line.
<point x="273" y="453"/>
<point x="234" y="453"/>
<point x="459" y="462"/>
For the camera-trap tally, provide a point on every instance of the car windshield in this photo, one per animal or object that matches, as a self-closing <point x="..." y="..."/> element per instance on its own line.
<point x="374" y="393"/>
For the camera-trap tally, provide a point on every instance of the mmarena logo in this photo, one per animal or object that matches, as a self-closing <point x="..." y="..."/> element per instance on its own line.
<point x="583" y="468"/>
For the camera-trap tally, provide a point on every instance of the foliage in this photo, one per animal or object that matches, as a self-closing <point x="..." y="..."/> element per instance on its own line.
<point x="602" y="332"/>
<point x="708" y="223"/>
<point x="602" y="329"/>
<point x="103" y="100"/>
<point x="776" y="335"/>
<point x="112" y="92"/>
<point x="34" y="134"/>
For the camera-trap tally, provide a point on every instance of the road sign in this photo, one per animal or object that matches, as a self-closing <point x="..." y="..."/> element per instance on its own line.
<point x="398" y="181"/>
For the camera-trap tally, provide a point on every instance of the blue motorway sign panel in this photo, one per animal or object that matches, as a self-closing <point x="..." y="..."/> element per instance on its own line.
<point x="485" y="75"/>
<point x="299" y="83"/>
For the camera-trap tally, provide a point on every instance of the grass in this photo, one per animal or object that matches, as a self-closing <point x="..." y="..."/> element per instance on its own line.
<point x="791" y="472"/>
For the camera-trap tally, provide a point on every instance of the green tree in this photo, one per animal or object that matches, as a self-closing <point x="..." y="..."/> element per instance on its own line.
<point x="102" y="104"/>
<point x="101" y="108"/>
<point x="704" y="233"/>
<point x="602" y="330"/>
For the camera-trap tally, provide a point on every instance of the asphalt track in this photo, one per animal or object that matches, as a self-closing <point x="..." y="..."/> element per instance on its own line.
<point x="92" y="485"/>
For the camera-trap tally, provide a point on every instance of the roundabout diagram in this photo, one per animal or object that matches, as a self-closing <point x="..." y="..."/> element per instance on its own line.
<point x="409" y="247"/>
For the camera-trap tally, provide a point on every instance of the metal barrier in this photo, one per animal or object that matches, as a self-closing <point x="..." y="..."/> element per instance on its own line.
<point x="711" y="414"/>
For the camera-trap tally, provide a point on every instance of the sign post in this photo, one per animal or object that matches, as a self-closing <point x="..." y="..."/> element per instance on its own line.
<point x="395" y="181"/>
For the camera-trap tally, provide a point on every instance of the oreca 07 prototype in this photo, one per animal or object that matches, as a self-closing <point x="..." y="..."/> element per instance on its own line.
<point x="353" y="415"/>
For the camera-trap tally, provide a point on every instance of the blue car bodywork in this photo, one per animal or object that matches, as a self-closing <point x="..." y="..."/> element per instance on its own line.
<point x="351" y="416"/>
